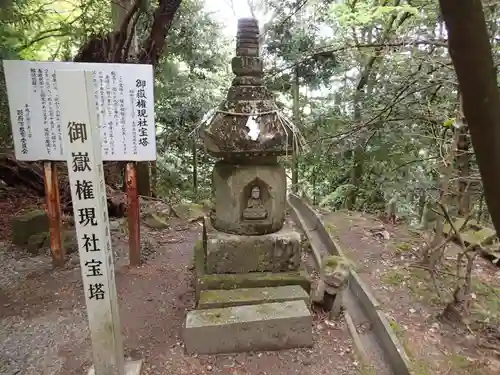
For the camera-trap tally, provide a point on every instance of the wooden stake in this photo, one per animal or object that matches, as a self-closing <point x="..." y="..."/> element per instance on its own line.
<point x="133" y="210"/>
<point x="53" y="203"/>
<point x="195" y="169"/>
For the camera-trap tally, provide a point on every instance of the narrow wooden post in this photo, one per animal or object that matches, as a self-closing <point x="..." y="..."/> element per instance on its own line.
<point x="82" y="140"/>
<point x="154" y="179"/>
<point x="133" y="213"/>
<point x="195" y="169"/>
<point x="52" y="200"/>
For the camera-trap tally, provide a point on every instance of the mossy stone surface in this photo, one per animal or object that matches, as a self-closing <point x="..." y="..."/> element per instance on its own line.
<point x="37" y="242"/>
<point x="27" y="224"/>
<point x="210" y="299"/>
<point x="233" y="184"/>
<point x="40" y="242"/>
<point x="155" y="221"/>
<point x="230" y="253"/>
<point x="189" y="211"/>
<point x="206" y="281"/>
<point x="269" y="326"/>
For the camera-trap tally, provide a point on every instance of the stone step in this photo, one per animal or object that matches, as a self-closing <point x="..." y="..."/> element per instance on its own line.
<point x="206" y="281"/>
<point x="210" y="299"/>
<point x="268" y="326"/>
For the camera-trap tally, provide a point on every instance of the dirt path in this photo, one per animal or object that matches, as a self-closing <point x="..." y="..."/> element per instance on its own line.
<point x="384" y="255"/>
<point x="43" y="327"/>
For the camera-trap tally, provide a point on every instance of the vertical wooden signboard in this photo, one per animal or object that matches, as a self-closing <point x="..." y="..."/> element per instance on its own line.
<point x="80" y="129"/>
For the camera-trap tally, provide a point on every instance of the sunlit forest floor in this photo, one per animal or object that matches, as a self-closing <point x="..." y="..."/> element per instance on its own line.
<point x="43" y="326"/>
<point x="386" y="257"/>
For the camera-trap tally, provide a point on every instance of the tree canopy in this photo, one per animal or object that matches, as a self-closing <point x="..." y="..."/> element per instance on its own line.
<point x="376" y="94"/>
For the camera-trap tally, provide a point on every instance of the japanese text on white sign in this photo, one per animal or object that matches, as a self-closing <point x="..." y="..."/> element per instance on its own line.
<point x="123" y="95"/>
<point x="81" y="136"/>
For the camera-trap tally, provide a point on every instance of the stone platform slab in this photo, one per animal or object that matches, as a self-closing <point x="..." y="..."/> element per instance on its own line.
<point x="269" y="326"/>
<point x="233" y="253"/>
<point x="205" y="281"/>
<point x="210" y="299"/>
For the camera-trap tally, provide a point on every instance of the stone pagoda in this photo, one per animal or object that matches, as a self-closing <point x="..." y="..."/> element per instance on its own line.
<point x="251" y="290"/>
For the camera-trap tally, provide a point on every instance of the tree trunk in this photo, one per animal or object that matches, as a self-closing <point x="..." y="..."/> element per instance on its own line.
<point x="463" y="161"/>
<point x="431" y="258"/>
<point x="470" y="52"/>
<point x="357" y="156"/>
<point x="121" y="46"/>
<point x="314" y="177"/>
<point x="296" y="119"/>
<point x="119" y="10"/>
<point x="481" y="208"/>
<point x="18" y="173"/>
<point x="364" y="80"/>
<point x="143" y="179"/>
<point x="422" y="201"/>
<point x="424" y="216"/>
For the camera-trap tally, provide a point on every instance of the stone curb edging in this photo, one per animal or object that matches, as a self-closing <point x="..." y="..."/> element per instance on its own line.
<point x="393" y="350"/>
<point x="356" y="341"/>
<point x="298" y="219"/>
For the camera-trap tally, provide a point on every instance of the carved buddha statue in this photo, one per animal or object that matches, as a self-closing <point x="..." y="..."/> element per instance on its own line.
<point x="255" y="210"/>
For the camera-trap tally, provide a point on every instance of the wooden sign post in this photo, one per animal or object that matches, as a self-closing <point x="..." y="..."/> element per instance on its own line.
<point x="81" y="138"/>
<point x="53" y="203"/>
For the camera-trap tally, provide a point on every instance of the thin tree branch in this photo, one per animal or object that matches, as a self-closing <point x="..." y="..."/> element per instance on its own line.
<point x="152" y="47"/>
<point x="250" y="7"/>
<point x="124" y="30"/>
<point x="326" y="51"/>
<point x="126" y="49"/>
<point x="43" y="37"/>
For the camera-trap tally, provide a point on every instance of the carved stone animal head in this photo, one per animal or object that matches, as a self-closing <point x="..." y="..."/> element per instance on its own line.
<point x="335" y="271"/>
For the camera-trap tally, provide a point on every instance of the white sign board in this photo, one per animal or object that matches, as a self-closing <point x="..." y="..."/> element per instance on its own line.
<point x="122" y="94"/>
<point x="80" y="135"/>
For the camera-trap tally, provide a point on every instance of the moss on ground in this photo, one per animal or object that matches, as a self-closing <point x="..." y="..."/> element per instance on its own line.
<point x="367" y="370"/>
<point x="402" y="248"/>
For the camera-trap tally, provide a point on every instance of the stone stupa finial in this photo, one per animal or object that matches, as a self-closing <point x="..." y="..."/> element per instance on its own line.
<point x="247" y="123"/>
<point x="247" y="37"/>
<point x="247" y="65"/>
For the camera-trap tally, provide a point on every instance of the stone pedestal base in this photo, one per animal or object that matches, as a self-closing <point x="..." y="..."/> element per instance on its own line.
<point x="232" y="253"/>
<point x="241" y="309"/>
<point x="269" y="326"/>
<point x="213" y="281"/>
<point x="131" y="368"/>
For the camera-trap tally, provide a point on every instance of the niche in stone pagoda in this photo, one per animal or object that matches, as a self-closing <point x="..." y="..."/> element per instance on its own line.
<point x="248" y="133"/>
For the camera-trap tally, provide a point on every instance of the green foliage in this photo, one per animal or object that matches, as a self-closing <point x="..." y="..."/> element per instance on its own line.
<point x="174" y="174"/>
<point x="387" y="59"/>
<point x="365" y="14"/>
<point x="42" y="30"/>
<point x="448" y="123"/>
<point x="337" y="198"/>
<point x="391" y="61"/>
<point x="189" y="81"/>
